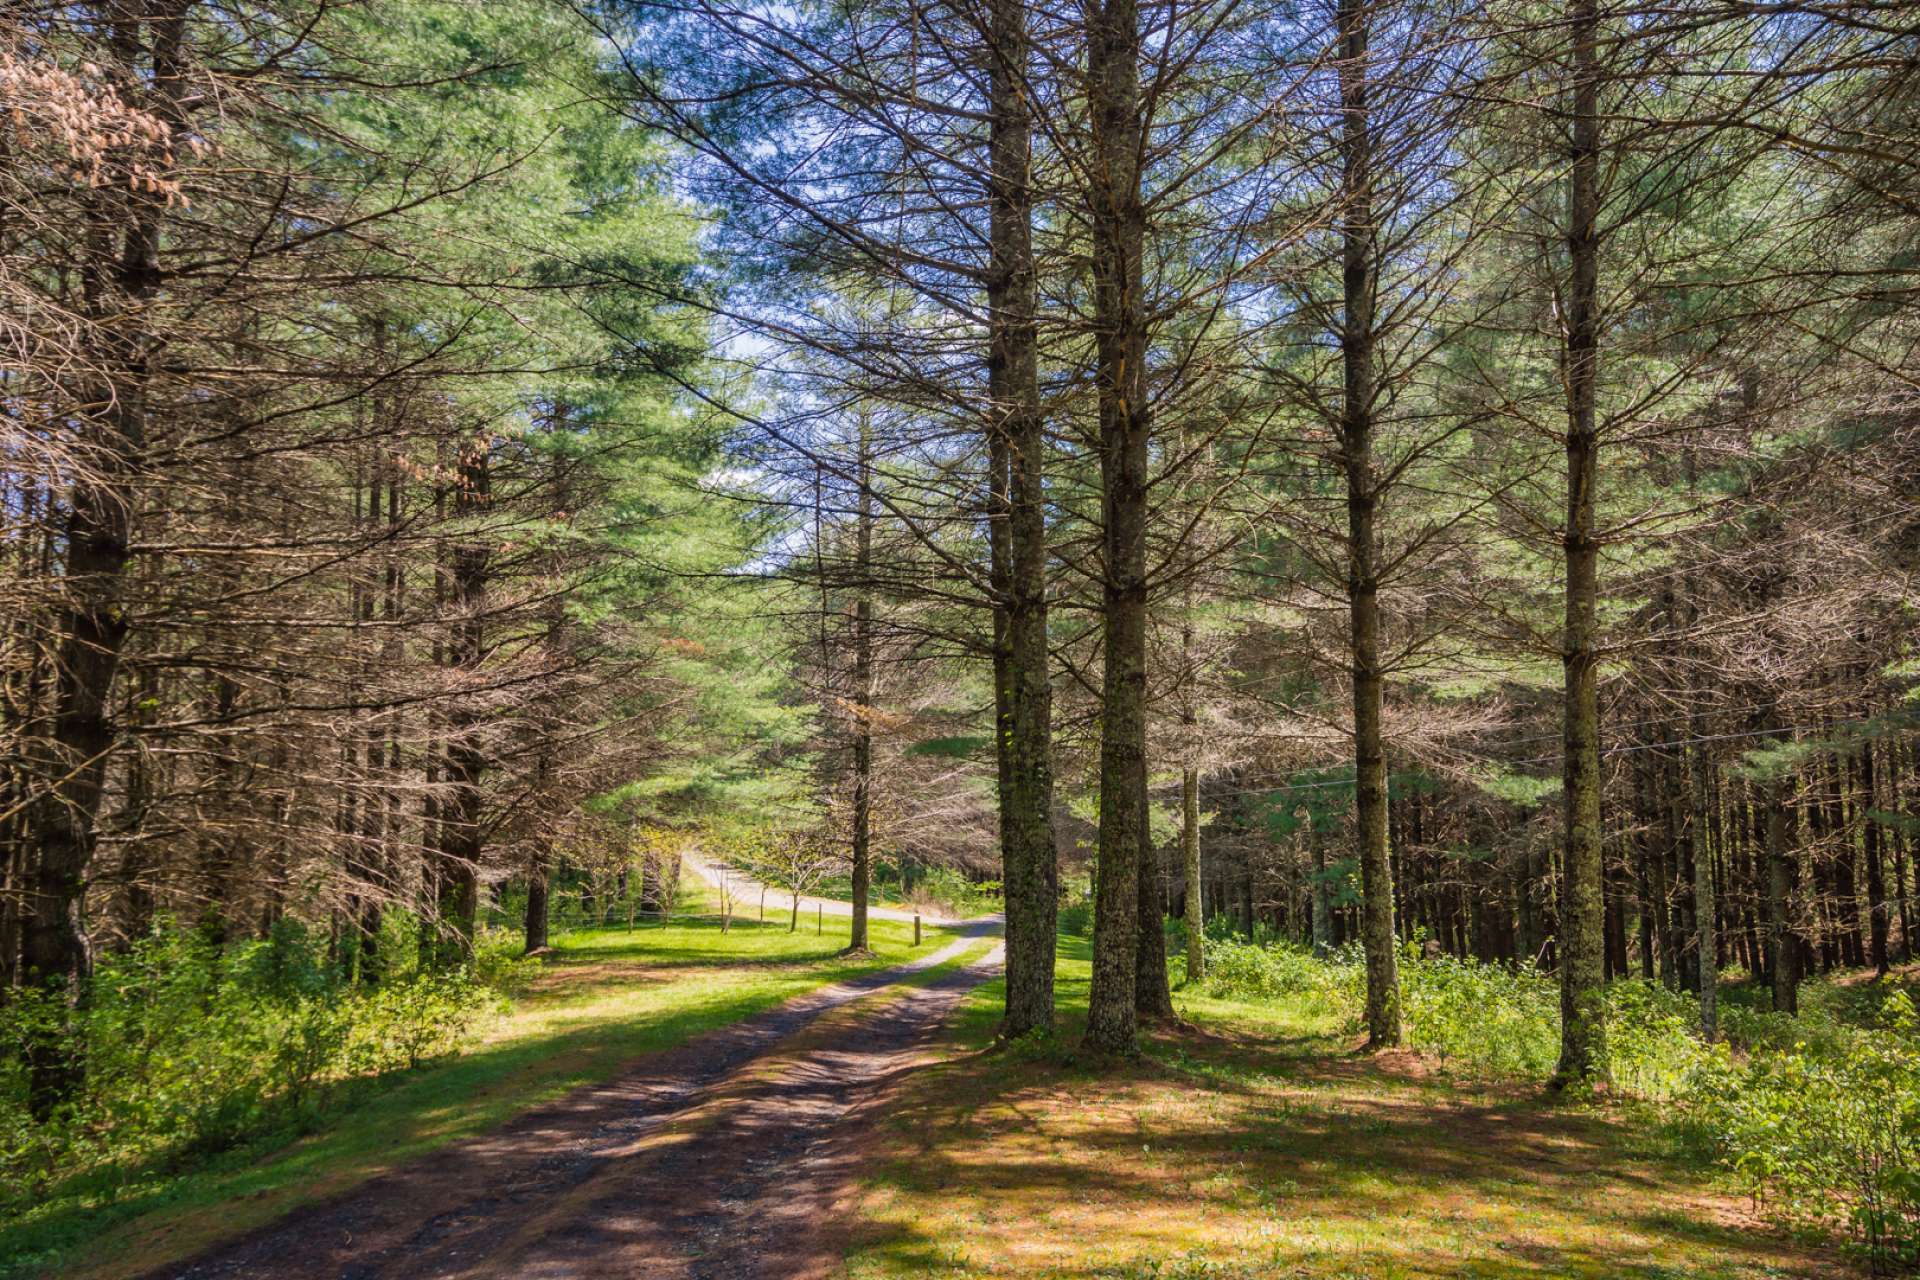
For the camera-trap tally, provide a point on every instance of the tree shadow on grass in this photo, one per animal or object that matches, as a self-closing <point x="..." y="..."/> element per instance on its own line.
<point x="1228" y="1156"/>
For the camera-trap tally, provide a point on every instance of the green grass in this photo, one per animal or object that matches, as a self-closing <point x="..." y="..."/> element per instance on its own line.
<point x="1256" y="1143"/>
<point x="606" y="997"/>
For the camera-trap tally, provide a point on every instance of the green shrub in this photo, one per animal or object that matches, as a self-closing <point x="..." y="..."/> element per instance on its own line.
<point x="1653" y="1049"/>
<point x="1486" y="1019"/>
<point x="1076" y="919"/>
<point x="1817" y="1116"/>
<point x="1483" y="1018"/>
<point x="948" y="891"/>
<point x="1237" y="969"/>
<point x="1824" y="1138"/>
<point x="500" y="964"/>
<point x="192" y="1047"/>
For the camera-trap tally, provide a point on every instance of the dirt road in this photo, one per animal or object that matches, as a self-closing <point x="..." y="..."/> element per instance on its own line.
<point x="749" y="893"/>
<point x="719" y="1160"/>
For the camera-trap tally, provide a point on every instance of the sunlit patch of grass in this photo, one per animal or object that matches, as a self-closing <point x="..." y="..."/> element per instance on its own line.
<point x="1256" y="1143"/>
<point x="603" y="998"/>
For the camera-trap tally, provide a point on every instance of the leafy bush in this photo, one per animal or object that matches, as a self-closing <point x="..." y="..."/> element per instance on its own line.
<point x="948" y="891"/>
<point x="192" y="1048"/>
<point x="1826" y="1139"/>
<point x="500" y="962"/>
<point x="1653" y="1051"/>
<point x="1240" y="969"/>
<point x="1487" y="1019"/>
<point x="1817" y="1116"/>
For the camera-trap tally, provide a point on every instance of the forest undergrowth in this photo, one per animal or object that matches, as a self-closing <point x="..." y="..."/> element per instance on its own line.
<point x="1815" y="1118"/>
<point x="1251" y="1140"/>
<point x="229" y="1085"/>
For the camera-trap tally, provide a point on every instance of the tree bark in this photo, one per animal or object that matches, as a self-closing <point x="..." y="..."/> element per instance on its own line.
<point x="1152" y="993"/>
<point x="1879" y="954"/>
<point x="1706" y="935"/>
<point x="1319" y="900"/>
<point x="119" y="280"/>
<point x="1029" y="865"/>
<point x="537" y="909"/>
<point x="1359" y="279"/>
<point x="1783" y="951"/>
<point x="863" y="692"/>
<point x="1118" y="221"/>
<point x="1582" y="1012"/>
<point x="1190" y="860"/>
<point x="463" y="841"/>
<point x="1194" y="899"/>
<point x="1706" y="906"/>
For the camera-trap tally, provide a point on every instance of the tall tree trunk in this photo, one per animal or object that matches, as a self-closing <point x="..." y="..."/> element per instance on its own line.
<point x="1901" y="883"/>
<point x="1190" y="862"/>
<point x="1360" y="247"/>
<point x="463" y="841"/>
<point x="1752" y="837"/>
<point x="863" y="692"/>
<point x="363" y="758"/>
<point x="1152" y="991"/>
<point x="1195" y="903"/>
<point x="1000" y="579"/>
<point x="1320" y="898"/>
<point x="1705" y="906"/>
<point x="1582" y="1010"/>
<point x="538" y="913"/>
<point x="392" y="814"/>
<point x="1643" y="887"/>
<point x="1674" y="784"/>
<point x="558" y="644"/>
<point x="1877" y="920"/>
<point x="1117" y="217"/>
<point x="23" y="704"/>
<point x="1029" y="864"/>
<point x="1529" y="935"/>
<point x="119" y="280"/>
<point x="1664" y="838"/>
<point x="1815" y="874"/>
<point x="1783" y="950"/>
<point x="1618" y="895"/>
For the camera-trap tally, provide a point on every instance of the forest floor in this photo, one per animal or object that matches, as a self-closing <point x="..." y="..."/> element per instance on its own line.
<point x="604" y="1003"/>
<point x="744" y="1106"/>
<point x="726" y="1157"/>
<point x="1254" y="1142"/>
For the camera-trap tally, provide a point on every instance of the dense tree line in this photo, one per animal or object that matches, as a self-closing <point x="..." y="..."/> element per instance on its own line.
<point x="1373" y="420"/>
<point x="346" y="492"/>
<point x="1380" y="470"/>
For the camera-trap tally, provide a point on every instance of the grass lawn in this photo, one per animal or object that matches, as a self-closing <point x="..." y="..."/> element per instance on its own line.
<point x="605" y="997"/>
<point x="1255" y="1143"/>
